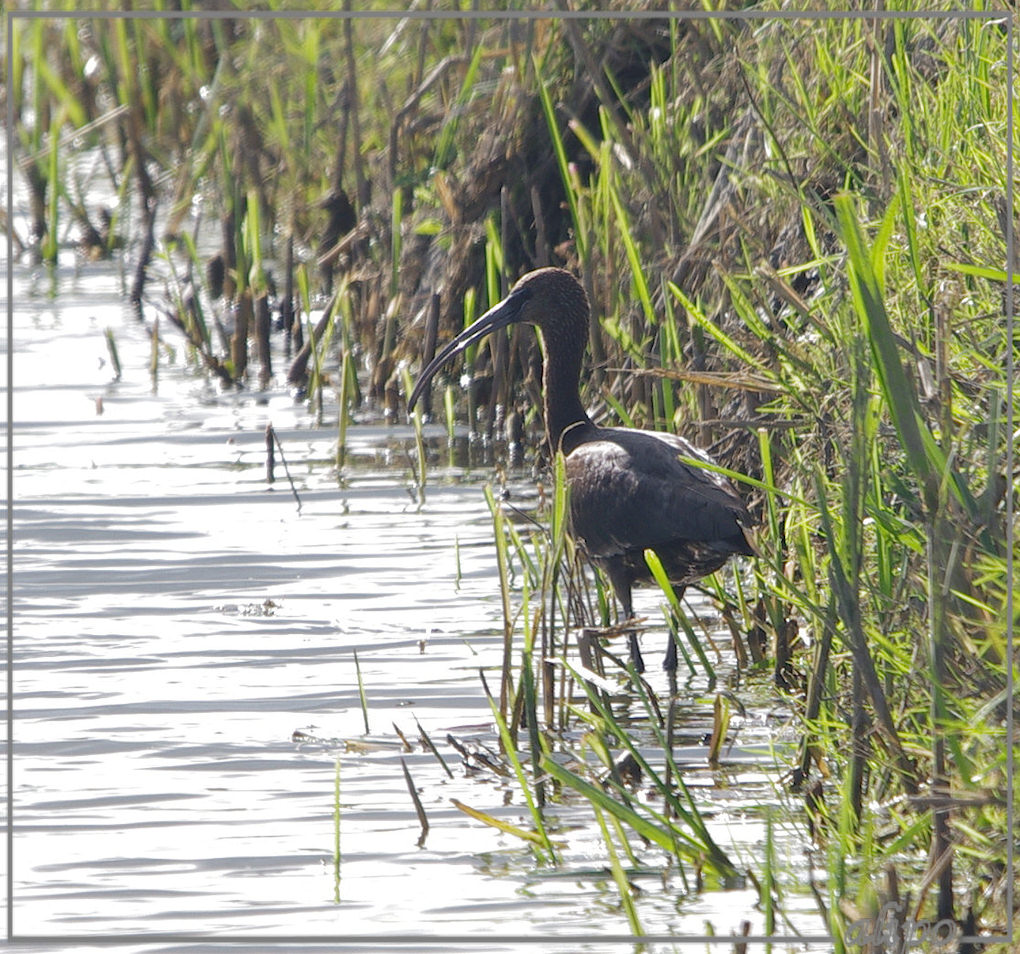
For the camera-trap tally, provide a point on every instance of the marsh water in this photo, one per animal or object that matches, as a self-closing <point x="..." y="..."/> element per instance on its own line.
<point x="186" y="694"/>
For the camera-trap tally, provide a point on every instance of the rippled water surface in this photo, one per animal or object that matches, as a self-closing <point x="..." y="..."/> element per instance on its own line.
<point x="185" y="681"/>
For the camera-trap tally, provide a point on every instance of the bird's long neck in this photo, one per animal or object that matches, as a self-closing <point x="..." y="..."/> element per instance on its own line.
<point x="566" y="421"/>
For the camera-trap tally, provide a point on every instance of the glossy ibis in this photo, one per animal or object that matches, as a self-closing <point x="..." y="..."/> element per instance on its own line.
<point x="629" y="489"/>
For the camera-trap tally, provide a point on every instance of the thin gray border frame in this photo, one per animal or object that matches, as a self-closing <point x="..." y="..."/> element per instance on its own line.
<point x="473" y="940"/>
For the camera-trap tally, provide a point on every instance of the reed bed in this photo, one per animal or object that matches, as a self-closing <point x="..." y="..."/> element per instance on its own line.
<point x="794" y="234"/>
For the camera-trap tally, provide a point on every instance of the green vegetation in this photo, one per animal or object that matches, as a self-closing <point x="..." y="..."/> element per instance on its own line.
<point x="794" y="236"/>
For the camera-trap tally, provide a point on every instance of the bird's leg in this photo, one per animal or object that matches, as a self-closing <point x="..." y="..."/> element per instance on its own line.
<point x="621" y="582"/>
<point x="669" y="663"/>
<point x="635" y="652"/>
<point x="624" y="595"/>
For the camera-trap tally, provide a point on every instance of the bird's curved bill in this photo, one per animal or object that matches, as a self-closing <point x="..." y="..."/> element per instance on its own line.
<point x="499" y="316"/>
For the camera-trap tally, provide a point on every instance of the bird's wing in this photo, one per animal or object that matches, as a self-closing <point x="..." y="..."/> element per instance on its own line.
<point x="630" y="490"/>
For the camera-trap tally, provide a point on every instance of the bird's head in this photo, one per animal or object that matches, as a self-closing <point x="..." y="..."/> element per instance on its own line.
<point x="549" y="298"/>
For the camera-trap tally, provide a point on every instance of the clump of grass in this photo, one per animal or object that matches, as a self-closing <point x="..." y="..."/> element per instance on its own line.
<point x="875" y="487"/>
<point x="538" y="689"/>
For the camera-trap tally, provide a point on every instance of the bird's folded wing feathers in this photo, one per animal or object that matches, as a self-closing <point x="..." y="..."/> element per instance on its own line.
<point x="635" y="492"/>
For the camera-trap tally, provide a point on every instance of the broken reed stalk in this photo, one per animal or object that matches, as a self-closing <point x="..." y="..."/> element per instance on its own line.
<point x="271" y="438"/>
<point x="361" y="692"/>
<point x="344" y="400"/>
<point x="243" y="317"/>
<point x="263" y="328"/>
<point x="270" y="456"/>
<point x="336" y="833"/>
<point x="418" y="807"/>
<point x="430" y="745"/>
<point x="111" y="347"/>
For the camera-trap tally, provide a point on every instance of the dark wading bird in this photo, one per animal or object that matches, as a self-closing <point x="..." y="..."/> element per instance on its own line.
<point x="629" y="489"/>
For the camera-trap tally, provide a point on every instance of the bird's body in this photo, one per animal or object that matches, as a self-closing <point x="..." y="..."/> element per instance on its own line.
<point x="630" y="490"/>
